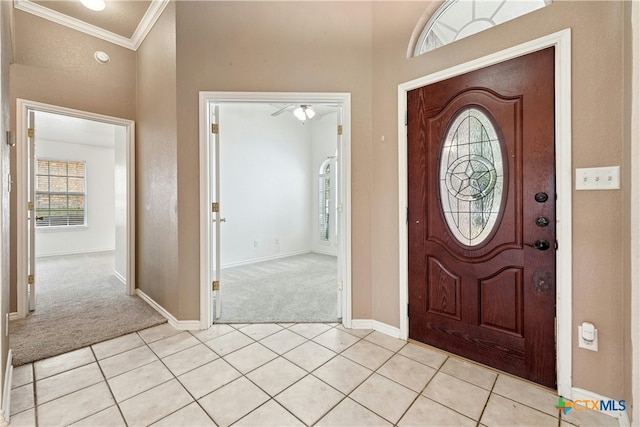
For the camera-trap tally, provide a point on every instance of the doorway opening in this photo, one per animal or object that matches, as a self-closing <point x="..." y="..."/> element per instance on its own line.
<point x="76" y="192"/>
<point x="274" y="207"/>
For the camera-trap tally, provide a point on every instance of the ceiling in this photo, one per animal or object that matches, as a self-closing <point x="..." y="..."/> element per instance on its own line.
<point x="123" y="22"/>
<point x="74" y="130"/>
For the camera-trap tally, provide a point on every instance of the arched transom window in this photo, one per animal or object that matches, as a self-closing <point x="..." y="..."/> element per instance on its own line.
<point x="457" y="19"/>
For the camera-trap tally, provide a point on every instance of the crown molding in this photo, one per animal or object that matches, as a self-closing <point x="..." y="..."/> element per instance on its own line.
<point x="148" y="21"/>
<point x="133" y="43"/>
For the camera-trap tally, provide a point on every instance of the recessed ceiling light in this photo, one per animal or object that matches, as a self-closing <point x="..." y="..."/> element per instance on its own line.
<point x="96" y="5"/>
<point x="101" y="57"/>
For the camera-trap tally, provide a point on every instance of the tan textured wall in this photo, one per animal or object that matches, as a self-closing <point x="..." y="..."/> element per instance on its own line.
<point x="156" y="169"/>
<point x="598" y="140"/>
<point x="275" y="47"/>
<point x="597" y="216"/>
<point x="54" y="64"/>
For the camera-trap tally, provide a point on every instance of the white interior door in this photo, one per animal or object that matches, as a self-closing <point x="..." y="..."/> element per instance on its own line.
<point x="214" y="161"/>
<point x="31" y="220"/>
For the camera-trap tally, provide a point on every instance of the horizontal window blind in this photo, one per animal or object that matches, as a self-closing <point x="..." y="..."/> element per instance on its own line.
<point x="60" y="193"/>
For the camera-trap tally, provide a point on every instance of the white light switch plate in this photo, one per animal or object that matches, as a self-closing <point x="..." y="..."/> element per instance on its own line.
<point x="598" y="178"/>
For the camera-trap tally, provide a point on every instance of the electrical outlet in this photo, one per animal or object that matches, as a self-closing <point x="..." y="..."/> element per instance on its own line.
<point x="607" y="178"/>
<point x="592" y="342"/>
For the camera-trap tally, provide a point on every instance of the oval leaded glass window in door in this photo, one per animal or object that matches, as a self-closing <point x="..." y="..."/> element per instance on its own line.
<point x="471" y="177"/>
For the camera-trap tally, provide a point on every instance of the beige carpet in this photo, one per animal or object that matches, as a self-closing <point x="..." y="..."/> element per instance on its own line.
<point x="78" y="303"/>
<point x="301" y="288"/>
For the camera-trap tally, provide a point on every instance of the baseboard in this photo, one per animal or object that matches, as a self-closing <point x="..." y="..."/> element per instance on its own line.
<point x="381" y="327"/>
<point x="624" y="420"/>
<point x="120" y="277"/>
<point x="581" y="394"/>
<point x="90" y="251"/>
<point x="384" y="328"/>
<point x="183" y="325"/>
<point x="361" y="324"/>
<point x="5" y="410"/>
<point x="321" y="252"/>
<point x="13" y="316"/>
<point x="266" y="258"/>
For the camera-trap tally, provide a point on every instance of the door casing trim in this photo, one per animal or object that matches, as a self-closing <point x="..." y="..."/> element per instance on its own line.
<point x="561" y="40"/>
<point x="344" y="251"/>
<point x="22" y="188"/>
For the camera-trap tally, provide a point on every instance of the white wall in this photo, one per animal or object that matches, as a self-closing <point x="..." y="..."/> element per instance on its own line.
<point x="324" y="138"/>
<point x="120" y="199"/>
<point x="269" y="183"/>
<point x="264" y="176"/>
<point x="99" y="234"/>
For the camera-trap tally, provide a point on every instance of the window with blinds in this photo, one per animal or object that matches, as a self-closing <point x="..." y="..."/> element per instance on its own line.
<point x="60" y="193"/>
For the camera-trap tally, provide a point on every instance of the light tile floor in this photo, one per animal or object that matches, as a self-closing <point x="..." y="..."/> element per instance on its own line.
<point x="275" y="375"/>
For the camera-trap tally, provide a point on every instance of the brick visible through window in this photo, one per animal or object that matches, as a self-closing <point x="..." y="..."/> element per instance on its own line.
<point x="60" y="193"/>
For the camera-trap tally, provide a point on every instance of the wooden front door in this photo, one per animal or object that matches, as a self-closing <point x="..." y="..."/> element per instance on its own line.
<point x="481" y="218"/>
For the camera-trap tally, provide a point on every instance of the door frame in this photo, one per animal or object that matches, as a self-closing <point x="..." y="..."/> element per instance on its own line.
<point x="344" y="250"/>
<point x="561" y="40"/>
<point x="635" y="211"/>
<point x="22" y="188"/>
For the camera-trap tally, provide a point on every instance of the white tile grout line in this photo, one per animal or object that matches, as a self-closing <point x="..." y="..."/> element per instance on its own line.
<point x="306" y="340"/>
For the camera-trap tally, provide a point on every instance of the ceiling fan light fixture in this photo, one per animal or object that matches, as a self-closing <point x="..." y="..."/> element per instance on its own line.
<point x="309" y="111"/>
<point x="97" y="5"/>
<point x="304" y="112"/>
<point x="299" y="112"/>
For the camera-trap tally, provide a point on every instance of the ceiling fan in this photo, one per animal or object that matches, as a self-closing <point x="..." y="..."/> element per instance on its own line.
<point x="301" y="111"/>
<point x="281" y="109"/>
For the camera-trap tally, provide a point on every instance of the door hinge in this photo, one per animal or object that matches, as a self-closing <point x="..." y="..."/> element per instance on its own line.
<point x="214" y="128"/>
<point x="406" y="118"/>
<point x="408" y="310"/>
<point x="339" y="129"/>
<point x="215" y="285"/>
<point x="407" y="215"/>
<point x="215" y="207"/>
<point x="340" y="285"/>
<point x="31" y="280"/>
<point x="30" y="206"/>
<point x="556" y="245"/>
<point x="31" y="132"/>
